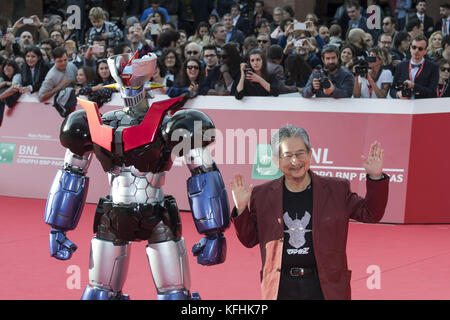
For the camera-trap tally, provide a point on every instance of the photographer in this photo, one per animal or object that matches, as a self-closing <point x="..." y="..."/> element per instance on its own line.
<point x="416" y="78"/>
<point x="332" y="80"/>
<point x="371" y="80"/>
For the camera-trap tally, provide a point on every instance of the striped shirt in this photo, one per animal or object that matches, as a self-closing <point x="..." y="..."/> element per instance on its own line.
<point x="114" y="33"/>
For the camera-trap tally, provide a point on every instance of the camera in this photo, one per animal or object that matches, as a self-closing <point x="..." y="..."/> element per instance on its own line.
<point x="322" y="76"/>
<point x="403" y="87"/>
<point x="362" y="66"/>
<point x="298" y="43"/>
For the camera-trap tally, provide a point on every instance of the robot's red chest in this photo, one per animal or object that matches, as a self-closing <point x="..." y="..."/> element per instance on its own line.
<point x="133" y="136"/>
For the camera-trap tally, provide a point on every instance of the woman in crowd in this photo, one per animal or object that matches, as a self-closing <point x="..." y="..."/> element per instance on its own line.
<point x="221" y="78"/>
<point x="103" y="72"/>
<point x="154" y="26"/>
<point x="68" y="34"/>
<point x="9" y="85"/>
<point x="191" y="75"/>
<point x="297" y="71"/>
<point x="434" y="48"/>
<point x="255" y="79"/>
<point x="86" y="76"/>
<point x="95" y="91"/>
<point x="158" y="78"/>
<point x="377" y="82"/>
<point x="347" y="56"/>
<point x="33" y="71"/>
<point x="171" y="61"/>
<point x="212" y="20"/>
<point x="443" y="90"/>
<point x="201" y="35"/>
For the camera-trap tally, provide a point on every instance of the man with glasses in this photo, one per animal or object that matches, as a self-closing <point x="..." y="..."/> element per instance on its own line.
<point x="210" y="58"/>
<point x="300" y="218"/>
<point x="418" y="77"/>
<point x="58" y="37"/>
<point x="389" y="26"/>
<point x="192" y="50"/>
<point x="385" y="41"/>
<point x="264" y="42"/>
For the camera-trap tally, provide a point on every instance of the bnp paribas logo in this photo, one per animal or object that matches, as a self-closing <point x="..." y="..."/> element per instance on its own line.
<point x="7" y="151"/>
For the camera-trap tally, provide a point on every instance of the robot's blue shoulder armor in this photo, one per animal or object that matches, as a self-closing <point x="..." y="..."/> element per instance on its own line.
<point x="188" y="124"/>
<point x="74" y="133"/>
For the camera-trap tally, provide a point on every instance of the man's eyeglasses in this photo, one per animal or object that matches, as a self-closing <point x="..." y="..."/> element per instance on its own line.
<point x="445" y="69"/>
<point x="417" y="48"/>
<point x="300" y="155"/>
<point x="192" y="67"/>
<point x="263" y="41"/>
<point x="190" y="53"/>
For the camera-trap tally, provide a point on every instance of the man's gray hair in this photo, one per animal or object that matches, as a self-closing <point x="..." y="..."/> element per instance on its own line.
<point x="216" y="26"/>
<point x="286" y="132"/>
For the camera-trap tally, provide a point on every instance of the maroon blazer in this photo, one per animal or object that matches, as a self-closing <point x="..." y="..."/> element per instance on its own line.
<point x="333" y="205"/>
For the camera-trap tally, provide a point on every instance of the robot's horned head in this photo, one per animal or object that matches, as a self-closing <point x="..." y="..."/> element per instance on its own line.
<point x="131" y="73"/>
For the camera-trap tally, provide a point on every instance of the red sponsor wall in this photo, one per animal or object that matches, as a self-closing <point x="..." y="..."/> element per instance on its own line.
<point x="414" y="134"/>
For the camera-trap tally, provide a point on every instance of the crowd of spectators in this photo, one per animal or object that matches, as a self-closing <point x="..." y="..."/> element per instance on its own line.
<point x="220" y="48"/>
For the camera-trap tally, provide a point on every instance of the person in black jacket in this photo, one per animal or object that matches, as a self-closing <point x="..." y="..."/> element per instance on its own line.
<point x="34" y="70"/>
<point x="221" y="78"/>
<point x="418" y="76"/>
<point x="255" y="79"/>
<point x="443" y="89"/>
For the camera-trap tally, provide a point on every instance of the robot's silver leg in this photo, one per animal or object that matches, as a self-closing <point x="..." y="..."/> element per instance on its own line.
<point x="170" y="269"/>
<point x="108" y="268"/>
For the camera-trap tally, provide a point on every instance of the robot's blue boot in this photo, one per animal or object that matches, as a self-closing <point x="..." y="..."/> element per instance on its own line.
<point x="100" y="294"/>
<point x="179" y="295"/>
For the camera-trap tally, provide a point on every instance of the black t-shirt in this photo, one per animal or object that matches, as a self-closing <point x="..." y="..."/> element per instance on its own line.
<point x="297" y="217"/>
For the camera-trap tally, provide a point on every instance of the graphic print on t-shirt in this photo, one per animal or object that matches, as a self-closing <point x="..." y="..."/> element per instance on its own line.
<point x="297" y="229"/>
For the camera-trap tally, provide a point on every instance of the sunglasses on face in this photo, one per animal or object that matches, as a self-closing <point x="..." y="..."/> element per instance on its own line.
<point x="445" y="69"/>
<point x="417" y="48"/>
<point x="191" y="52"/>
<point x="263" y="41"/>
<point x="192" y="67"/>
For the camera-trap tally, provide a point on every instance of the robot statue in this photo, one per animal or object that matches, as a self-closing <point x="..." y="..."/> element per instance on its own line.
<point x="134" y="147"/>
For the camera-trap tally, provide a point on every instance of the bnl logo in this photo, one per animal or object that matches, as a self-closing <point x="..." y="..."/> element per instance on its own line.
<point x="7" y="151"/>
<point x="373" y="17"/>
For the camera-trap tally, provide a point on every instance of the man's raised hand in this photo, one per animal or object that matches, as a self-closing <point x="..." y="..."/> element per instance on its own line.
<point x="241" y="194"/>
<point x="374" y="162"/>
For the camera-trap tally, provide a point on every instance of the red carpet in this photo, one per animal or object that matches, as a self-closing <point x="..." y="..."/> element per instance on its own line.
<point x="414" y="260"/>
